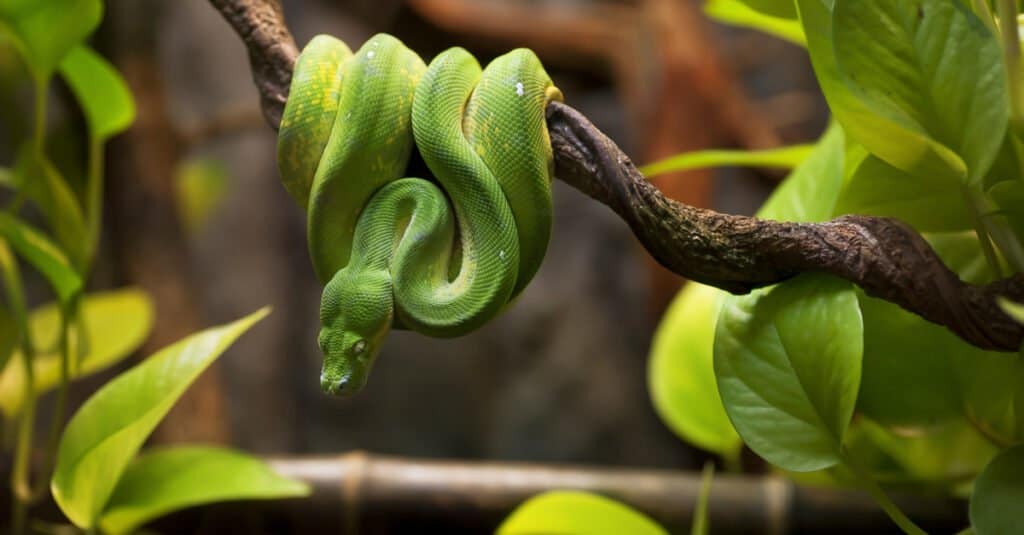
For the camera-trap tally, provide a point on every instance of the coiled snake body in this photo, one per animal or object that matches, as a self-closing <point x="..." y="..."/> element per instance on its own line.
<point x="442" y="256"/>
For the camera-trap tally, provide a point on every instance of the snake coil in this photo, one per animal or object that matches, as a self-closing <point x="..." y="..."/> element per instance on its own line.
<point x="440" y="256"/>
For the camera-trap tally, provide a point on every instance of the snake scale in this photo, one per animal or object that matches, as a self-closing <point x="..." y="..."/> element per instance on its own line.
<point x="440" y="255"/>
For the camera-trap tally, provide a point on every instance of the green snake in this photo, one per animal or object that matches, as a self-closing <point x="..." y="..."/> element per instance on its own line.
<point x="441" y="255"/>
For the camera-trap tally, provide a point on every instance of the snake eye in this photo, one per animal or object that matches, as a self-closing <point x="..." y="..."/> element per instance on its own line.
<point x="359" y="347"/>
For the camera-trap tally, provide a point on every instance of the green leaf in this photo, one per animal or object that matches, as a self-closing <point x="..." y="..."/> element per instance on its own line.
<point x="914" y="369"/>
<point x="888" y="139"/>
<point x="1009" y="196"/>
<point x="998" y="494"/>
<point x="908" y="377"/>
<point x="809" y="193"/>
<point x="1012" y="309"/>
<point x="43" y="255"/>
<point x="45" y="31"/>
<point x="169" y="479"/>
<point x="783" y="157"/>
<point x="961" y="252"/>
<point x="576" y="513"/>
<point x="988" y="381"/>
<point x="1005" y="166"/>
<point x="993" y="397"/>
<point x="681" y="375"/>
<point x="942" y="456"/>
<point x="108" y="429"/>
<point x="879" y="189"/>
<point x="116" y="323"/>
<point x="739" y="13"/>
<point x="102" y="93"/>
<point x="40" y="181"/>
<point x="788" y="363"/>
<point x="932" y="68"/>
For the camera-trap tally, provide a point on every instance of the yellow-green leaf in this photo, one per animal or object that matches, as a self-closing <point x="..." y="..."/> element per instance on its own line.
<point x="1012" y="309"/>
<point x="929" y="205"/>
<point x="809" y="193"/>
<point x="102" y="93"/>
<point x="739" y="13"/>
<point x="45" y="30"/>
<point x="40" y="181"/>
<point x="169" y="479"/>
<point x="681" y="375"/>
<point x="107" y="431"/>
<point x="903" y="147"/>
<point x="931" y="67"/>
<point x="576" y="513"/>
<point x="783" y="158"/>
<point x="116" y="323"/>
<point x="37" y="250"/>
<point x="775" y="8"/>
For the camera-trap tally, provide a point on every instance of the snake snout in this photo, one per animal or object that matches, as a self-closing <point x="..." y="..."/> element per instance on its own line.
<point x="341" y="386"/>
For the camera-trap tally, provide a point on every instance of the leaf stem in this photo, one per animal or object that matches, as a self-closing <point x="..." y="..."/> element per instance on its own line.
<point x="20" y="490"/>
<point x="57" y="419"/>
<point x="94" y="199"/>
<point x="20" y="484"/>
<point x="731" y="461"/>
<point x="980" y="229"/>
<point x="39" y="114"/>
<point x="701" y="525"/>
<point x="984" y="12"/>
<point x="871" y="487"/>
<point x="1008" y="242"/>
<point x="1012" y="56"/>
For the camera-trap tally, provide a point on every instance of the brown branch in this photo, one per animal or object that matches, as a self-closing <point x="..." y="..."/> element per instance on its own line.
<point x="883" y="256"/>
<point x="272" y="50"/>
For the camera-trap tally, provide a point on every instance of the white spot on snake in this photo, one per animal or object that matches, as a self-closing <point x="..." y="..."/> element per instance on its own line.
<point x="370" y="54"/>
<point x="501" y="255"/>
<point x="519" y="89"/>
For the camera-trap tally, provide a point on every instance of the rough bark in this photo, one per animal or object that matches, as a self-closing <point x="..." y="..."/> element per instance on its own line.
<point x="883" y="256"/>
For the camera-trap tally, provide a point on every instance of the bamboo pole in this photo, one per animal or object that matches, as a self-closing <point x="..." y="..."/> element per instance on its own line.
<point x="364" y="493"/>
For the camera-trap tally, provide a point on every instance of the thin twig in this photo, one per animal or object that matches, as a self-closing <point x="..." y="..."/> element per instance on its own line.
<point x="883" y="256"/>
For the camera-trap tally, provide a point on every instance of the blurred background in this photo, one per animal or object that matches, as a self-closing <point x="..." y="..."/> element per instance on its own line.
<point x="196" y="216"/>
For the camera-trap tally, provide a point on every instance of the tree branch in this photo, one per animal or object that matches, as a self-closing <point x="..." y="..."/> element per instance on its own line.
<point x="885" y="257"/>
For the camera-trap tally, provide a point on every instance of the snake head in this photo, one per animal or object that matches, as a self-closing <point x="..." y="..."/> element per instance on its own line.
<point x="355" y="314"/>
